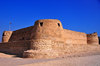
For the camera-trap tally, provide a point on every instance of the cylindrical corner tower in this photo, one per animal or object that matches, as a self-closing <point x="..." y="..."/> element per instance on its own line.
<point x="46" y="34"/>
<point x="45" y="31"/>
<point x="92" y="38"/>
<point x="6" y="36"/>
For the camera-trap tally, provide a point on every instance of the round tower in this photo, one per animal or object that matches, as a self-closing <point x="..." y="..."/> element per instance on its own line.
<point x="46" y="35"/>
<point x="92" y="38"/>
<point x="45" y="32"/>
<point x="47" y="29"/>
<point x="6" y="36"/>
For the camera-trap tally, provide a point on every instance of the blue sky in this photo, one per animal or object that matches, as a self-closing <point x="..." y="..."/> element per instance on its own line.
<point x="77" y="15"/>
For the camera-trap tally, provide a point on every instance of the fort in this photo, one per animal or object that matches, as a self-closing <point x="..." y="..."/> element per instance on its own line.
<point x="47" y="39"/>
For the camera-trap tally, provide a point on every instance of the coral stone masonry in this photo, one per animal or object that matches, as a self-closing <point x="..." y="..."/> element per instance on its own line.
<point x="46" y="39"/>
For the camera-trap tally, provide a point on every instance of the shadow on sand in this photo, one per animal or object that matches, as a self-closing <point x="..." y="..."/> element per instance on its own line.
<point x="14" y="55"/>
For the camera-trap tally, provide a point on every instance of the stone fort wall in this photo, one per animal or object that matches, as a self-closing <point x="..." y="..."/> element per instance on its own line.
<point x="45" y="37"/>
<point x="16" y="48"/>
<point x="73" y="37"/>
<point x="22" y="34"/>
<point x="18" y="35"/>
<point x="49" y="30"/>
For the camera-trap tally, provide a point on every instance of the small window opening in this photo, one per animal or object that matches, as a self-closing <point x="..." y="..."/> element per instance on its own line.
<point x="58" y="24"/>
<point x="41" y="23"/>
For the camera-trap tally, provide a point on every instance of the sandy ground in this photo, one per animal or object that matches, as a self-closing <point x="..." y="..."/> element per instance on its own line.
<point x="81" y="59"/>
<point x="74" y="61"/>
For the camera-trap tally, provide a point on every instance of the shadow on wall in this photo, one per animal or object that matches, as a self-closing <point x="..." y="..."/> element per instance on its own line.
<point x="99" y="40"/>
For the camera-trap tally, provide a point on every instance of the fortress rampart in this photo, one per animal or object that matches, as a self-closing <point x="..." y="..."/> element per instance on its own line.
<point x="73" y="37"/>
<point x="16" y="48"/>
<point x="46" y="38"/>
<point x="22" y="34"/>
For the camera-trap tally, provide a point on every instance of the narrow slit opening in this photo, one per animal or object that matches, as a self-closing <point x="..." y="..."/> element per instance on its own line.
<point x="41" y="23"/>
<point x="58" y="24"/>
